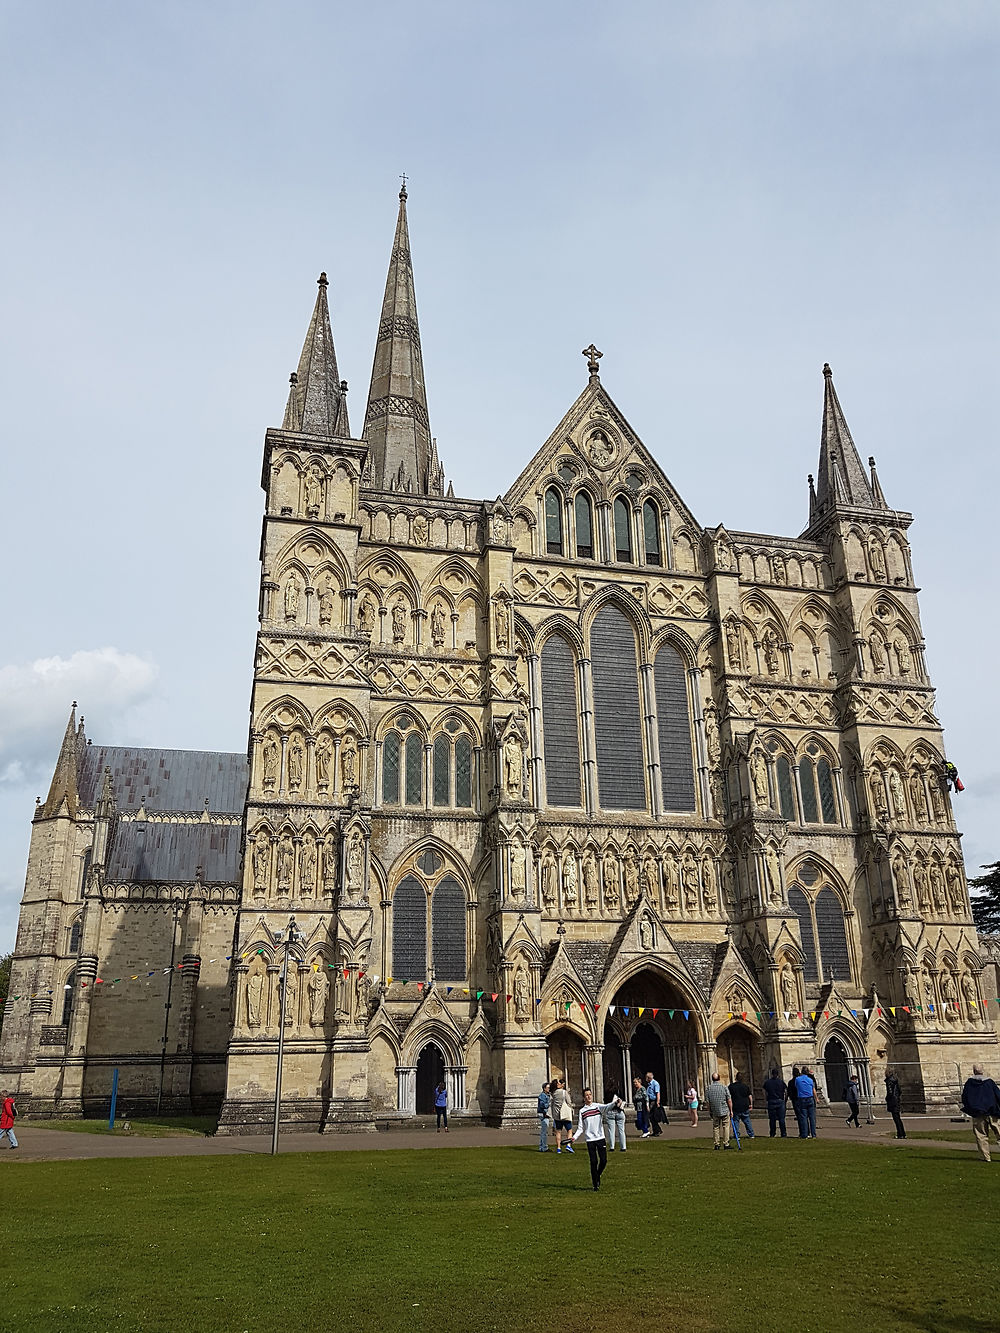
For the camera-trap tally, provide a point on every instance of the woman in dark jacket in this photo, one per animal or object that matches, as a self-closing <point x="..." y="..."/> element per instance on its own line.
<point x="893" y="1098"/>
<point x="793" y="1096"/>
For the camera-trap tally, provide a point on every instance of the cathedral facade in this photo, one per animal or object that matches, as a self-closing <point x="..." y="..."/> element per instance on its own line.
<point x="560" y="783"/>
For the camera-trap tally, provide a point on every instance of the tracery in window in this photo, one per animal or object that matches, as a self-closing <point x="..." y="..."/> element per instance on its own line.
<point x="553" y="522"/>
<point x="584" y="526"/>
<point x="617" y="722"/>
<point x="623" y="533"/>
<point x="651" y="533"/>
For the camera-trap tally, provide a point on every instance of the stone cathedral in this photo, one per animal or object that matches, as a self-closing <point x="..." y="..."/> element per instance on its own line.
<point x="558" y="783"/>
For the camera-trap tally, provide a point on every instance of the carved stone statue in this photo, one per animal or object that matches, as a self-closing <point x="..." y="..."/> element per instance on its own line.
<point x="286" y="863"/>
<point x="610" y="879"/>
<point x="903" y="655"/>
<point x="348" y="762"/>
<point x="930" y="999"/>
<point x="291" y="989"/>
<point x="569" y="880"/>
<point x="513" y="765"/>
<point x="956" y="890"/>
<point x="292" y="598"/>
<point x="327" y="603"/>
<point x="778" y="566"/>
<point x="896" y="792"/>
<point x="921" y="882"/>
<point x="522" y="996"/>
<point x="318" y="988"/>
<point x="590" y="889"/>
<point x="307" y="868"/>
<point x="770" y="646"/>
<point x="877" y="558"/>
<point x="548" y="877"/>
<point x="670" y="885"/>
<point x="758" y="775"/>
<point x="876" y="647"/>
<point x="876" y="787"/>
<point x="420" y="530"/>
<point x="949" y="995"/>
<point x="255" y="995"/>
<point x="690" y="879"/>
<point x="437" y="625"/>
<point x="902" y="876"/>
<point x="937" y="801"/>
<point x="918" y="798"/>
<point x="518" y="871"/>
<point x="501" y="531"/>
<point x="789" y="991"/>
<point x="368" y="614"/>
<point x="645" y="934"/>
<point x="776" y="895"/>
<point x="631" y="879"/>
<point x="501" y="617"/>
<point x="313" y="491"/>
<point x="971" y="993"/>
<point x="324" y="752"/>
<point x="723" y="556"/>
<point x="937" y="886"/>
<point x="399" y="622"/>
<point x="261" y="860"/>
<point x="363" y="994"/>
<point x="734" y="645"/>
<point x="270" y="757"/>
<point x="296" y="758"/>
<point x="651" y="880"/>
<point x="709" y="894"/>
<point x="355" y="864"/>
<point x="718" y="796"/>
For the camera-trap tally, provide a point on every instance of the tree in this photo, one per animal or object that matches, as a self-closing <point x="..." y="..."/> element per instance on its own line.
<point x="5" y="964"/>
<point x="986" y="903"/>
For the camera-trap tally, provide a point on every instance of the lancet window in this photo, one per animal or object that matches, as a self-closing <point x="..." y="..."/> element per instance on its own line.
<point x="429" y="931"/>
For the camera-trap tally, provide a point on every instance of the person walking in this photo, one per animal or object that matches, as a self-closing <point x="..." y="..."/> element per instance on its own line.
<point x="691" y="1102"/>
<point x="8" y="1114"/>
<point x="893" y="1101"/>
<point x="980" y="1102"/>
<point x="793" y="1095"/>
<point x="544" y="1105"/>
<point x="641" y="1103"/>
<point x="591" y="1126"/>
<point x="721" y="1109"/>
<point x="776" y="1093"/>
<point x="805" y="1092"/>
<point x="852" y="1096"/>
<point x="656" y="1113"/>
<point x="441" y="1106"/>
<point x="742" y="1100"/>
<point x="614" y="1121"/>
<point x="562" y="1114"/>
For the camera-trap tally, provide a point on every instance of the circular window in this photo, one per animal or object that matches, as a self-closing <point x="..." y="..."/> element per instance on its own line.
<point x="808" y="874"/>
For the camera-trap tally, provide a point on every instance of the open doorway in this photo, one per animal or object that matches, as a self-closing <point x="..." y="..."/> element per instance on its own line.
<point x="430" y="1072"/>
<point x="837" y="1070"/>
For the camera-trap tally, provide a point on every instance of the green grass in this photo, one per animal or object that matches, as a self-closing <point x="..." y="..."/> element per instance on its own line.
<point x="144" y="1127"/>
<point x="940" y="1135"/>
<point x="807" y="1235"/>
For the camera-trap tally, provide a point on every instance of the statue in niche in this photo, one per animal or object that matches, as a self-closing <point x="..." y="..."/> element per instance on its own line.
<point x="789" y="991"/>
<point x="518" y="871"/>
<point x="918" y="798"/>
<point x="341" y="998"/>
<point x="937" y="886"/>
<point x="903" y="658"/>
<point x="399" y="622"/>
<point x="296" y="756"/>
<point x="313" y="491"/>
<point x="368" y="614"/>
<point x="921" y="883"/>
<point x="292" y="598"/>
<point x="501" y="618"/>
<point x="513" y="765"/>
<point x="723" y="556"/>
<point x="930" y="999"/>
<point x="718" y="796"/>
<point x="689" y="876"/>
<point x="712" y="745"/>
<point x="729" y="883"/>
<point x="307" y="870"/>
<point x="651" y="879"/>
<point x="522" y="996"/>
<point x="645" y="934"/>
<point x="758" y="775"/>
<point x="501" y="532"/>
<point x="327" y="602"/>
<point x="876" y="786"/>
<point x="949" y="995"/>
<point x="548" y="877"/>
<point x="609" y="876"/>
<point x="897" y="794"/>
<point x="775" y="897"/>
<point x="355" y="864"/>
<point x="600" y="449"/>
<point x="324" y="753"/>
<point x="971" y="993"/>
<point x="778" y="566"/>
<point x="734" y="645"/>
<point x="286" y="863"/>
<point x="937" y="802"/>
<point x="956" y="891"/>
<point x="363" y="994"/>
<point x="631" y="879"/>
<point x="261" y="859"/>
<point x="877" y="557"/>
<point x="328" y="865"/>
<point x="569" y="880"/>
<point x="708" y="881"/>
<point x="420" y="530"/>
<point x="590" y="890"/>
<point x="348" y="762"/>
<point x="876" y="646"/>
<point x="291" y="989"/>
<point x="437" y="625"/>
<point x="319" y="989"/>
<point x="255" y="995"/>
<point x="770" y="645"/>
<point x="670" y="880"/>
<point x="902" y="877"/>
<point x="270" y="756"/>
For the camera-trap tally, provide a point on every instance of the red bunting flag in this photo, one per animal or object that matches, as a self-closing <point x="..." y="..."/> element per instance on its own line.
<point x="597" y="1006"/>
<point x="509" y="998"/>
<point x="495" y="994"/>
<point x="420" y="985"/>
<point x="655" y="1011"/>
<point x="583" y="1008"/>
<point x="826" y="1013"/>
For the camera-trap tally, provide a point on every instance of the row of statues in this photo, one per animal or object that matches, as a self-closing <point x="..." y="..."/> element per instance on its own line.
<point x="945" y="997"/>
<point x="934" y="887"/>
<point x="301" y="871"/>
<point x="286" y="768"/>
<point x="922" y="795"/>
<point x="307" y="994"/>
<point x="583" y="885"/>
<point x="893" y="657"/>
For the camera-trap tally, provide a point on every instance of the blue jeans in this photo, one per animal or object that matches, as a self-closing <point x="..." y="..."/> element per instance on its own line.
<point x="743" y="1118"/>
<point x="543" y="1133"/>
<point x="776" y="1118"/>
<point x="641" y="1118"/>
<point x="615" y="1120"/>
<point x="805" y="1112"/>
<point x="10" y="1135"/>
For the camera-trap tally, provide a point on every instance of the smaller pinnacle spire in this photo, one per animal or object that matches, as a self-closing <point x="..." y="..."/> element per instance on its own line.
<point x="876" y="484"/>
<point x="64" y="790"/>
<point x="316" y="403"/>
<point x="841" y="481"/>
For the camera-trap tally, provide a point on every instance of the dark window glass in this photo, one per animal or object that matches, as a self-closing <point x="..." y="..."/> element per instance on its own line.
<point x="463" y="772"/>
<point x="67" y="1005"/>
<point x="74" y="935"/>
<point x="832" y="937"/>
<point x="623" y="533"/>
<point x="442" y="770"/>
<point x="786" y="800"/>
<point x="674" y="730"/>
<point x="807" y="781"/>
<point x="553" y="523"/>
<point x="448" y="931"/>
<point x="414" y="767"/>
<point x="651" y="533"/>
<point x="617" y="725"/>
<point x="409" y="930"/>
<point x="799" y="904"/>
<point x="826" y="798"/>
<point x="584" y="527"/>
<point x="390" y="769"/>
<point x="560" y="724"/>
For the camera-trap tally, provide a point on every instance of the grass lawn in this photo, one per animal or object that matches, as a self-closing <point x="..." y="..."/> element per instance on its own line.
<point x="813" y="1236"/>
<point x="142" y="1126"/>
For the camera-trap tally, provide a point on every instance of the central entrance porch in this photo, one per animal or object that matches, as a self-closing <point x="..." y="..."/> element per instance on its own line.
<point x="651" y="1028"/>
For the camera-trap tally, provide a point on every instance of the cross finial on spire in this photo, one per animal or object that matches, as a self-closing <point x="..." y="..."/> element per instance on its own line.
<point x="593" y="357"/>
<point x="402" y="190"/>
<point x="321" y="281"/>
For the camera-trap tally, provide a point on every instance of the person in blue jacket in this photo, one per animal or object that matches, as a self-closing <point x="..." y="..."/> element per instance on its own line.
<point x="805" y="1108"/>
<point x="544" y="1106"/>
<point x="981" y="1103"/>
<point x="441" y="1106"/>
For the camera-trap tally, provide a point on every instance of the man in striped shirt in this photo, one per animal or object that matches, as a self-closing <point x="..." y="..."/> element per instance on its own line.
<point x="591" y="1127"/>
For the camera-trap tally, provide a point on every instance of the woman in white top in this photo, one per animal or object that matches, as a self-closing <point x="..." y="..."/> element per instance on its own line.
<point x="691" y="1101"/>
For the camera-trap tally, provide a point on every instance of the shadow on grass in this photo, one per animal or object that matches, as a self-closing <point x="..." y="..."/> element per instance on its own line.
<point x="936" y="1323"/>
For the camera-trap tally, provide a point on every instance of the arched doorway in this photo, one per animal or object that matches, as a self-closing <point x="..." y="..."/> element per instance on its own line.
<point x="736" y="1053"/>
<point x="659" y="1040"/>
<point x="566" y="1061"/>
<point x="836" y="1068"/>
<point x="430" y="1072"/>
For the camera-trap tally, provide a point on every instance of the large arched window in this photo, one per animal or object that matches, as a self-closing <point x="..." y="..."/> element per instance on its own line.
<point x="832" y="935"/>
<point x="553" y="522"/>
<point x="584" y="526"/>
<point x="651" y="533"/>
<point x="799" y="904"/>
<point x="560" y="724"/>
<point x="823" y="927"/>
<point x="819" y="804"/>
<point x="674" y="730"/>
<point x="807" y="786"/>
<point x="623" y="532"/>
<point x="76" y="930"/>
<point x="448" y="931"/>
<point x="403" y="764"/>
<point x="451" y="768"/>
<point x="429" y="909"/>
<point x="409" y="930"/>
<point x="786" y="799"/>
<point x="617" y="721"/>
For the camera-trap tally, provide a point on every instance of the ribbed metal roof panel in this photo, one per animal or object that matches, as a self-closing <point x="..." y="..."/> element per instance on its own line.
<point x="162" y="780"/>
<point x="173" y="852"/>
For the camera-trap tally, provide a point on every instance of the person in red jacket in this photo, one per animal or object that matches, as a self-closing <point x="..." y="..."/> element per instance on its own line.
<point x="8" y="1112"/>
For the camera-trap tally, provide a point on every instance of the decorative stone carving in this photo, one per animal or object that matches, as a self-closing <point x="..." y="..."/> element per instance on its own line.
<point x="937" y="802"/>
<point x="518" y="871"/>
<point x="689" y="876"/>
<point x="949" y="995"/>
<point x="270" y="759"/>
<point x="307" y="866"/>
<point x="318" y="988"/>
<point x="548" y="877"/>
<point x="324" y="752"/>
<point x="292" y="593"/>
<point x="296" y="760"/>
<point x="897" y="794"/>
<point x="261" y="860"/>
<point x="956" y="889"/>
<point x="780" y="574"/>
<point x="901" y="874"/>
<point x="313" y="490"/>
<point x="758" y="775"/>
<point x="513" y="766"/>
<point x="971" y="994"/>
<point x="651" y="879"/>
<point x="590" y="889"/>
<point x="903" y="657"/>
<point x="355" y="865"/>
<point x="734" y="645"/>
<point x="501" y="619"/>
<point x="569" y="880"/>
<point x="876" y="647"/>
<point x="286" y="863"/>
<point x="420" y="530"/>
<point x="610" y="878"/>
<point x="670" y="884"/>
<point x="877" y="559"/>
<point x="255" y="993"/>
<point x="501" y="530"/>
<point x="631" y="879"/>
<point x="776" y="894"/>
<point x="368" y="614"/>
<point x="522" y="996"/>
<point x="348" y="762"/>
<point x="937" y="887"/>
<point x="921" y="884"/>
<point x="399" y="622"/>
<point x="712" y="745"/>
<point x="291" y="989"/>
<point x="789" y="991"/>
<point x="918" y="798"/>
<point x="709" y="893"/>
<point x="770" y="646"/>
<point x="876" y="787"/>
<point x="645" y="933"/>
<point x="437" y="625"/>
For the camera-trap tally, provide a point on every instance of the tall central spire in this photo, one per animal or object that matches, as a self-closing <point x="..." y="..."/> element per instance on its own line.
<point x="397" y="427"/>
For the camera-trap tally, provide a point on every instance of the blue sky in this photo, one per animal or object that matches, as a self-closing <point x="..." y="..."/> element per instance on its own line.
<point x="722" y="196"/>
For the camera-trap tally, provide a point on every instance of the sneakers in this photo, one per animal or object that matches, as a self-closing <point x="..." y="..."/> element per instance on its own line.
<point x="717" y="1146"/>
<point x="569" y="1149"/>
<point x="560" y="1150"/>
<point x="646" y="1135"/>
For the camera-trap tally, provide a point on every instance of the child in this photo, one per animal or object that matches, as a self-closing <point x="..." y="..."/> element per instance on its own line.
<point x="691" y="1101"/>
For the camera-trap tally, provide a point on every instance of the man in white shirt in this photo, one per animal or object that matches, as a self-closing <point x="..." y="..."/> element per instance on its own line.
<point x="591" y="1127"/>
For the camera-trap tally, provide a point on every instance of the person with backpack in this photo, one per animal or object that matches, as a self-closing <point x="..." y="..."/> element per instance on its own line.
<point x="8" y="1114"/>
<point x="981" y="1103"/>
<point x="852" y="1096"/>
<point x="544" y="1104"/>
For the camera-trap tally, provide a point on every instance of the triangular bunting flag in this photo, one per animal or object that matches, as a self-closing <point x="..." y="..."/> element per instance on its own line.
<point x="642" y="1010"/>
<point x="866" y="1012"/>
<point x="826" y="1013"/>
<point x="671" y="1012"/>
<point x="509" y="999"/>
<point x="479" y="994"/>
<point x="655" y="1012"/>
<point x="906" y="1008"/>
<point x="625" y="1011"/>
<point x="687" y="1013"/>
<point x="583" y="1008"/>
<point x="493" y="995"/>
<point x="596" y="1007"/>
<point x="758" y="1017"/>
<point x="420" y="985"/>
<point x="892" y="1010"/>
<point x="879" y="1012"/>
<point x="612" y="1008"/>
<point x="788" y="1014"/>
<point x="448" y="990"/>
<point x="812" y="1015"/>
<point x="537" y="1003"/>
<point x="854" y="1013"/>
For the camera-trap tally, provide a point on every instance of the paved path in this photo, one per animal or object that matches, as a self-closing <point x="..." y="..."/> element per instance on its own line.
<point x="55" y="1145"/>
